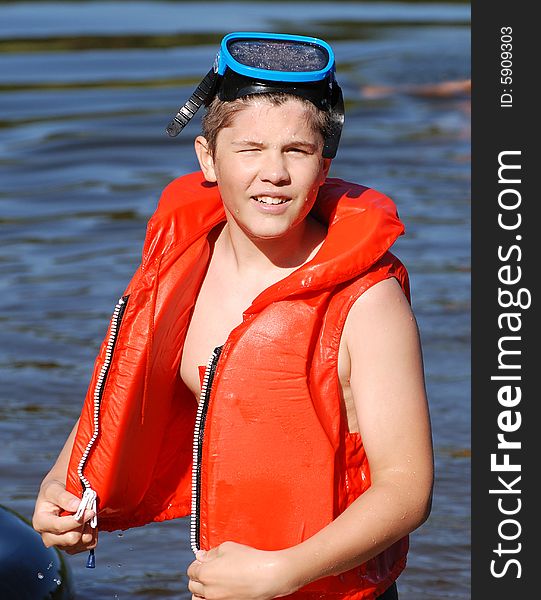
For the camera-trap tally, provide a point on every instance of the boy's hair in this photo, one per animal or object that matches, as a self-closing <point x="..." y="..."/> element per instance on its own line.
<point x="220" y="114"/>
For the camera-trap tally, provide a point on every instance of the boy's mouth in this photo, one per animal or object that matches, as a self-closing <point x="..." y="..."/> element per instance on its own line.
<point x="272" y="200"/>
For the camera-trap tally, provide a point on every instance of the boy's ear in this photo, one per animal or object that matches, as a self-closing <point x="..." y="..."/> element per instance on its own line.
<point x="326" y="166"/>
<point x="206" y="162"/>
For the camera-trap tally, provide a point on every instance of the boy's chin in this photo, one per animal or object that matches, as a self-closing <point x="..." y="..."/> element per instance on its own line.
<point x="267" y="236"/>
<point x="268" y="232"/>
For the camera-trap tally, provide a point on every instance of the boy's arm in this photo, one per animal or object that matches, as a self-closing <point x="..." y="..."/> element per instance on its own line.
<point x="64" y="532"/>
<point x="388" y="389"/>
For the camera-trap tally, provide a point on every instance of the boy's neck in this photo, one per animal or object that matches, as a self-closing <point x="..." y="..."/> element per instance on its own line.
<point x="266" y="256"/>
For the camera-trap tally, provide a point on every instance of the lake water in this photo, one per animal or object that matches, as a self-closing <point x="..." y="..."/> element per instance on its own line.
<point x="86" y="91"/>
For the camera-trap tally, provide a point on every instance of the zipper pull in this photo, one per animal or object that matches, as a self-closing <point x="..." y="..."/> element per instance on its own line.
<point x="91" y="560"/>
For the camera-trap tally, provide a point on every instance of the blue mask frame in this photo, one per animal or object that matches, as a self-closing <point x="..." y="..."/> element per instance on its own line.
<point x="225" y="59"/>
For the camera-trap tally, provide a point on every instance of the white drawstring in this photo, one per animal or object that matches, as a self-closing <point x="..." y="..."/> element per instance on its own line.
<point x="88" y="501"/>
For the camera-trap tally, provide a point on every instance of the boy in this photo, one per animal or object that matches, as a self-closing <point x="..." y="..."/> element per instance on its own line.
<point x="307" y="459"/>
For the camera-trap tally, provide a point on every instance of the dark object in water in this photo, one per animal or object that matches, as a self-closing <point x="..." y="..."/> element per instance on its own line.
<point x="29" y="570"/>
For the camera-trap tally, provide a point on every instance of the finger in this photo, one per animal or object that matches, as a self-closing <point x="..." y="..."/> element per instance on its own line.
<point x="90" y="536"/>
<point x="71" y="550"/>
<point x="89" y="540"/>
<point x="196" y="588"/>
<point x="73" y="542"/>
<point x="85" y="517"/>
<point x="56" y="493"/>
<point x="194" y="570"/>
<point x="47" y="522"/>
<point x="209" y="554"/>
<point x="71" y="539"/>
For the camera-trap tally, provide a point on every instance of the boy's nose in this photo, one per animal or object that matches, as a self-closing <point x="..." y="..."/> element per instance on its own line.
<point x="274" y="169"/>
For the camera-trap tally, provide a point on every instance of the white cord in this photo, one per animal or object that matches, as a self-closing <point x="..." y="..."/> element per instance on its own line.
<point x="88" y="501"/>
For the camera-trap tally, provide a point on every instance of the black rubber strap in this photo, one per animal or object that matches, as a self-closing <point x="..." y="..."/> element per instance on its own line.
<point x="192" y="105"/>
<point x="337" y="122"/>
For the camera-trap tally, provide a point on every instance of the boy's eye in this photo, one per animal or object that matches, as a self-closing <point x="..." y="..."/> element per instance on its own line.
<point x="298" y="150"/>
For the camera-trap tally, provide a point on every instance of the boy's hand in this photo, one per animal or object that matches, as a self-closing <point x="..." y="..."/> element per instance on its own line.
<point x="234" y="571"/>
<point x="66" y="533"/>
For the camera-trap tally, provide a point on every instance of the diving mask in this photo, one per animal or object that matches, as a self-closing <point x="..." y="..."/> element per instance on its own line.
<point x="255" y="63"/>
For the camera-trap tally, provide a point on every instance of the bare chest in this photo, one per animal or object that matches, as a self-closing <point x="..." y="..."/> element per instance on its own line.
<point x="216" y="313"/>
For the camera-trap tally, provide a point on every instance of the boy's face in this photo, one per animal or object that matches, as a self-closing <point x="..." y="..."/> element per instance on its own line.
<point x="268" y="166"/>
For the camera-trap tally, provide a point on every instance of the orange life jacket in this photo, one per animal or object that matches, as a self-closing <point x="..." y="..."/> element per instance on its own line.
<point x="272" y="461"/>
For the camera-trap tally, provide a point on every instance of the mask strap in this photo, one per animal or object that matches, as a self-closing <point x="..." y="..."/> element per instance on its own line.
<point x="192" y="105"/>
<point x="337" y="117"/>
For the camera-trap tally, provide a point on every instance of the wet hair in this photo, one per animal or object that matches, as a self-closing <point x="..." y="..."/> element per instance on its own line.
<point x="220" y="114"/>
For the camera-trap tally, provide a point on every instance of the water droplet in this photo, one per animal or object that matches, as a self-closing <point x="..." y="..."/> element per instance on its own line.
<point x="50" y="565"/>
<point x="120" y="534"/>
<point x="119" y="565"/>
<point x="40" y="575"/>
<point x="57" y="581"/>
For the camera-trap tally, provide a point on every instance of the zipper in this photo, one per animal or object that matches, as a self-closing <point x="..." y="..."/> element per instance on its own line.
<point x="199" y="431"/>
<point x="88" y="499"/>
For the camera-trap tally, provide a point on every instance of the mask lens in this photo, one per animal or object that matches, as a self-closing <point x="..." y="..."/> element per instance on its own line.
<point x="279" y="55"/>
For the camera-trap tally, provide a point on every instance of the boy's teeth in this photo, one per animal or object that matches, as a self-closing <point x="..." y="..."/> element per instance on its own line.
<point x="270" y="200"/>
